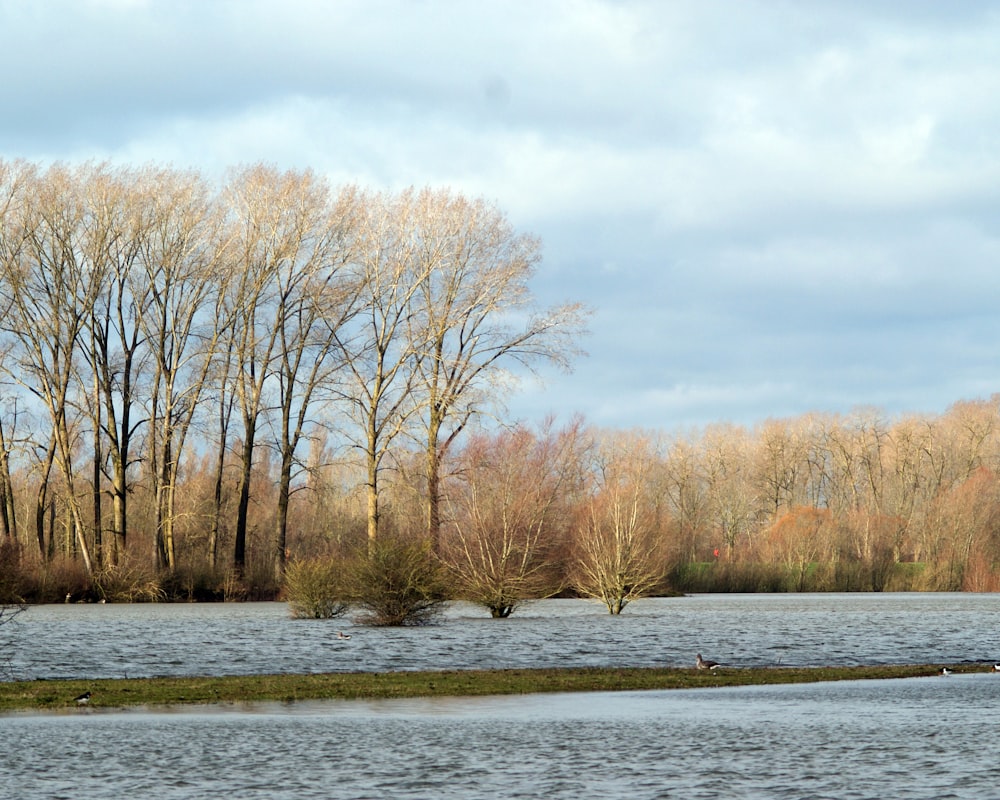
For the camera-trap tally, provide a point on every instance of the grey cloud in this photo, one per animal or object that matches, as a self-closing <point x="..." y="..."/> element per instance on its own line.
<point x="773" y="207"/>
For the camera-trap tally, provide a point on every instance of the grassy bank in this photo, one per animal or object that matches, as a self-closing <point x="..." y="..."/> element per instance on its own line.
<point x="40" y="695"/>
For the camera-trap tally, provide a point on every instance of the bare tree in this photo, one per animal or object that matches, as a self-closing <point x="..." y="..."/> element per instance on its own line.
<point x="509" y="508"/>
<point x="684" y="491"/>
<point x="379" y="353"/>
<point x="474" y="318"/>
<point x="318" y="298"/>
<point x="289" y="301"/>
<point x="113" y="346"/>
<point x="617" y="550"/>
<point x="780" y="465"/>
<point x="260" y="242"/>
<point x="49" y="291"/>
<point x="729" y="497"/>
<point x="177" y="233"/>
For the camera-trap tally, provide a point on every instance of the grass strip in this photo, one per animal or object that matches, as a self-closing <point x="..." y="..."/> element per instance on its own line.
<point x="119" y="693"/>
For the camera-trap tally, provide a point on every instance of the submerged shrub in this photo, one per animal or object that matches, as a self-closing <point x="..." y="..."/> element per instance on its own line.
<point x="397" y="583"/>
<point x="313" y="589"/>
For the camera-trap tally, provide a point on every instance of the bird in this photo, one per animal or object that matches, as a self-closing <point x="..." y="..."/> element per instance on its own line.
<point x="342" y="635"/>
<point x="82" y="699"/>
<point x="996" y="667"/>
<point x="703" y="664"/>
<point x="945" y="672"/>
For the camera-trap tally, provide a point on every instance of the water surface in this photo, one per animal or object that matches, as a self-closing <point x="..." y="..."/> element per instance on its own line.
<point x="916" y="738"/>
<point x="923" y="738"/>
<point x="113" y="641"/>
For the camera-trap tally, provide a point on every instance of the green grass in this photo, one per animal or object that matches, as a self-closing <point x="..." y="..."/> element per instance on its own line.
<point x="43" y="694"/>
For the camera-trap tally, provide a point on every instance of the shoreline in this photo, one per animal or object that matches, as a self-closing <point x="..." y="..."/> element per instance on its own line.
<point x="122" y="693"/>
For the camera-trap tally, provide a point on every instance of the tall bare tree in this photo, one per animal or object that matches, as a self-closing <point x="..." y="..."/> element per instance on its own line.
<point x="49" y="292"/>
<point x="474" y="318"/>
<point x="289" y="299"/>
<point x="259" y="244"/>
<point x="318" y="296"/>
<point x="379" y="351"/>
<point x="114" y="345"/>
<point x="177" y="233"/>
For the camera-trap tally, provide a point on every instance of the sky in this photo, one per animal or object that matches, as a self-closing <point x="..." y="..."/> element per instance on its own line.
<point x="771" y="208"/>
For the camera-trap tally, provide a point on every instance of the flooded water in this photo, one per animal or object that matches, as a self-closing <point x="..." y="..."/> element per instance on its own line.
<point x="115" y="641"/>
<point x="927" y="738"/>
<point x="920" y="738"/>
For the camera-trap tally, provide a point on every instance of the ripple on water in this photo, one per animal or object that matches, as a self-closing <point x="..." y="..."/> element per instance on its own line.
<point x="741" y="630"/>
<point x="916" y="738"/>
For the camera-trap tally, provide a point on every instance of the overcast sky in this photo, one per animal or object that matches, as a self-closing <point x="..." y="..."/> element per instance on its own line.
<point x="771" y="207"/>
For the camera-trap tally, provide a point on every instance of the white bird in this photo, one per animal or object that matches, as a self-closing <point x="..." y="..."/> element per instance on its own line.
<point x="945" y="672"/>
<point x="996" y="667"/>
<point x="83" y="699"/>
<point x="703" y="664"/>
<point x="342" y="635"/>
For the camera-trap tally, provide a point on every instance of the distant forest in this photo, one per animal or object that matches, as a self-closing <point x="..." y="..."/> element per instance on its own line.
<point x="203" y="385"/>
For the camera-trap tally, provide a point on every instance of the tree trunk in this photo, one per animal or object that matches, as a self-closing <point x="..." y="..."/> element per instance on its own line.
<point x="165" y="511"/>
<point x="372" y="484"/>
<point x="99" y="553"/>
<point x="7" y="509"/>
<point x="281" y="523"/>
<point x="433" y="492"/>
<point x="243" y="510"/>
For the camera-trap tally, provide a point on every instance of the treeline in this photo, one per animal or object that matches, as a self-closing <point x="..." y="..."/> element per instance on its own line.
<point x="817" y="503"/>
<point x="181" y="358"/>
<point x="221" y="391"/>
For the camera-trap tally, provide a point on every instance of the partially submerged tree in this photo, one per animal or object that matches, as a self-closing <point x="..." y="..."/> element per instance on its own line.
<point x="617" y="553"/>
<point x="509" y="505"/>
<point x="314" y="588"/>
<point x="396" y="582"/>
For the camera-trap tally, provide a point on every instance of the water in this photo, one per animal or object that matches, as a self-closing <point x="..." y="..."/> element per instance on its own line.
<point x="115" y="641"/>
<point x="920" y="738"/>
<point x="928" y="737"/>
